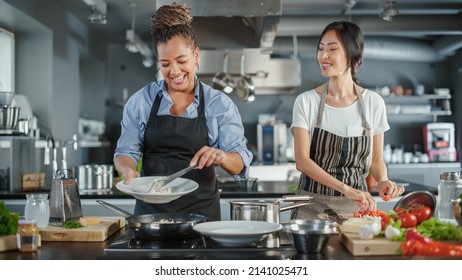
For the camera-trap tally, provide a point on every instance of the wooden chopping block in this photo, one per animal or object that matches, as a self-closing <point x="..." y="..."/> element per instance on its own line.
<point x="372" y="247"/>
<point x="8" y="243"/>
<point x="91" y="233"/>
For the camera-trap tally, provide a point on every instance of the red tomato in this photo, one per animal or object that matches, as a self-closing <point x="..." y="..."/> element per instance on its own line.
<point x="408" y="220"/>
<point x="422" y="213"/>
<point x="385" y="221"/>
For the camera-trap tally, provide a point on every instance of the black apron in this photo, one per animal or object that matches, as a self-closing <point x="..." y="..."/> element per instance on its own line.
<point x="170" y="142"/>
<point x="345" y="158"/>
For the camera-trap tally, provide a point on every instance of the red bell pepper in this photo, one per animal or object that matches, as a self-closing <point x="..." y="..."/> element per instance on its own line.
<point x="418" y="245"/>
<point x="413" y="234"/>
<point x="436" y="248"/>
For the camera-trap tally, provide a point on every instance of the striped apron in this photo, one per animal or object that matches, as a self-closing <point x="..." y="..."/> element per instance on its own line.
<point x="345" y="158"/>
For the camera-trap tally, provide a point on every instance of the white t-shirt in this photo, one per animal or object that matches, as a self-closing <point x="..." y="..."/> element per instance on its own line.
<point x="345" y="122"/>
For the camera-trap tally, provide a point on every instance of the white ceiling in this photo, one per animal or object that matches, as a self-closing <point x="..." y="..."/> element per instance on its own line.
<point x="425" y="19"/>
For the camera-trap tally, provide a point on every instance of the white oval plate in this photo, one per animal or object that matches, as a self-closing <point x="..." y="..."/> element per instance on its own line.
<point x="140" y="186"/>
<point x="237" y="232"/>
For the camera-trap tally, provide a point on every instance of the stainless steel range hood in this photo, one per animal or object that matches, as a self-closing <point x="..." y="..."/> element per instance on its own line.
<point x="242" y="27"/>
<point x="259" y="19"/>
<point x="269" y="75"/>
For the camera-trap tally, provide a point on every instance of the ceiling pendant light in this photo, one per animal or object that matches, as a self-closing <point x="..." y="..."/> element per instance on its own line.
<point x="135" y="44"/>
<point x="388" y="10"/>
<point x="98" y="11"/>
<point x="130" y="34"/>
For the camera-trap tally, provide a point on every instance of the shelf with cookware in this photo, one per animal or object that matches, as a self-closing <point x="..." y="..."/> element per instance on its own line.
<point x="426" y="145"/>
<point x="426" y="105"/>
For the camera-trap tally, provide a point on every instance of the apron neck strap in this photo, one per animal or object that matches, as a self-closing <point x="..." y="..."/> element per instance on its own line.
<point x="361" y="105"/>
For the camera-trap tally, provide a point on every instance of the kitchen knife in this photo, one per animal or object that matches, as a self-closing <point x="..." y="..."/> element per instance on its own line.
<point x="334" y="216"/>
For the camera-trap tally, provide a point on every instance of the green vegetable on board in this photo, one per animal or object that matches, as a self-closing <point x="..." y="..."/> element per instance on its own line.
<point x="72" y="224"/>
<point x="440" y="230"/>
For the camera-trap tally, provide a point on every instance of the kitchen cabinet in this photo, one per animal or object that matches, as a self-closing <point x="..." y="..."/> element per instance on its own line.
<point x="427" y="105"/>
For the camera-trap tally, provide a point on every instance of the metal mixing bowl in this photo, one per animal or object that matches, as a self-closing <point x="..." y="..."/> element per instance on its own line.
<point x="310" y="236"/>
<point x="6" y="98"/>
<point x="9" y="117"/>
<point x="418" y="197"/>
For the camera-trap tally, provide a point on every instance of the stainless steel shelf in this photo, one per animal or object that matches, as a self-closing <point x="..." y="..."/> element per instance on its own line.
<point x="40" y="144"/>
<point x="415" y="98"/>
<point x="433" y="113"/>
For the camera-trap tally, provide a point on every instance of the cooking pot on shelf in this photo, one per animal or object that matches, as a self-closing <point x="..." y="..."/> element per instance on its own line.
<point x="9" y="117"/>
<point x="265" y="209"/>
<point x="161" y="226"/>
<point x="94" y="176"/>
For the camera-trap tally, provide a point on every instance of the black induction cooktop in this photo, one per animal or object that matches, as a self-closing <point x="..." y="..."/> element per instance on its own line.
<point x="129" y="246"/>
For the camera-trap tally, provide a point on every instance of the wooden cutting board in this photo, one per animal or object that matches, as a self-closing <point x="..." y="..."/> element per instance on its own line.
<point x="91" y="233"/>
<point x="8" y="243"/>
<point x="373" y="247"/>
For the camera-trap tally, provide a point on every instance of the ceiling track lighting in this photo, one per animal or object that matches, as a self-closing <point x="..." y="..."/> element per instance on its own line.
<point x="136" y="45"/>
<point x="97" y="12"/>
<point x="388" y="10"/>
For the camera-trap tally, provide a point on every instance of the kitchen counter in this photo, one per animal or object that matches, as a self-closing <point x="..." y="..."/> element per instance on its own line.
<point x="228" y="191"/>
<point x="96" y="250"/>
<point x="264" y="189"/>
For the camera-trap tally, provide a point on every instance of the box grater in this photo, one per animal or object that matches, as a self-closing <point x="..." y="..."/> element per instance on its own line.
<point x="64" y="198"/>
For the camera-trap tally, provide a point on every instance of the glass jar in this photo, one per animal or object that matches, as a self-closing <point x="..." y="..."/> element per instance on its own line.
<point x="38" y="209"/>
<point x="27" y="236"/>
<point x="448" y="189"/>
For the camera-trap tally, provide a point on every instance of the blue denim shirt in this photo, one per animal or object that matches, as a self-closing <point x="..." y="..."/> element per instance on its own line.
<point x="224" y="122"/>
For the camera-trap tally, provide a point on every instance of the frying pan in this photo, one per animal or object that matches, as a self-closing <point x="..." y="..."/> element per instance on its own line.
<point x="223" y="81"/>
<point x="160" y="226"/>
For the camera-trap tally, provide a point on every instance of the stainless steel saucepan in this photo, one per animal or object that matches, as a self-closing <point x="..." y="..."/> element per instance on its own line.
<point x="160" y="226"/>
<point x="265" y="209"/>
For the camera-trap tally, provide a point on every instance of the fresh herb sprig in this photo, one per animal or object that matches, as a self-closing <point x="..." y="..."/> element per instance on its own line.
<point x="72" y="224"/>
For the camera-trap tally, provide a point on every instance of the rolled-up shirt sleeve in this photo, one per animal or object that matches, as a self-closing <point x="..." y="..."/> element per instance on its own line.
<point x="232" y="139"/>
<point x="226" y="130"/>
